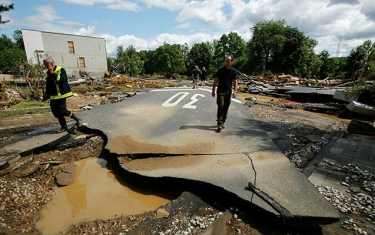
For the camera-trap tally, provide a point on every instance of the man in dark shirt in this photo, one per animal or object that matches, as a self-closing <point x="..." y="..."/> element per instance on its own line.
<point x="224" y="79"/>
<point x="195" y="75"/>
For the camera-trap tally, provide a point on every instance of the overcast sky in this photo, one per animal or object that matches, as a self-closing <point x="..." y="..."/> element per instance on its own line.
<point x="147" y="24"/>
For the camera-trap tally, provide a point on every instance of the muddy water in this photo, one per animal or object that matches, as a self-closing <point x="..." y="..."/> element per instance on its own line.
<point x="95" y="194"/>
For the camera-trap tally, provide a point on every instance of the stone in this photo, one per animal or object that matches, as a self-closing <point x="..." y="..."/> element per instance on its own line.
<point x="314" y="138"/>
<point x="4" y="165"/>
<point x="66" y="176"/>
<point x="64" y="179"/>
<point x="10" y="156"/>
<point x="71" y="168"/>
<point x="161" y="213"/>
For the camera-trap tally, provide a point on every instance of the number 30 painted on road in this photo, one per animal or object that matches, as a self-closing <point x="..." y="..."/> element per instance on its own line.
<point x="183" y="95"/>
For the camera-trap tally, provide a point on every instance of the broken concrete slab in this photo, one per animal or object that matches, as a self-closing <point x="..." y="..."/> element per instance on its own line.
<point x="66" y="176"/>
<point x="269" y="172"/>
<point x="315" y="138"/>
<point x="180" y="124"/>
<point x="35" y="140"/>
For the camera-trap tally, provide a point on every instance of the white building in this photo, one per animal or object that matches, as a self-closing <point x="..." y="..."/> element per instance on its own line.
<point x="72" y="52"/>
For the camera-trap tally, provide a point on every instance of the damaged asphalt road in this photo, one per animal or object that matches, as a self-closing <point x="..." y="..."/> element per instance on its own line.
<point x="197" y="150"/>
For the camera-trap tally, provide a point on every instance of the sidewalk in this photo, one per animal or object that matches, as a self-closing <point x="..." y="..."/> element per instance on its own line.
<point x="27" y="120"/>
<point x="340" y="151"/>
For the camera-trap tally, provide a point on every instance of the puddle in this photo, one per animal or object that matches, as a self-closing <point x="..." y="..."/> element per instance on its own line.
<point x="95" y="194"/>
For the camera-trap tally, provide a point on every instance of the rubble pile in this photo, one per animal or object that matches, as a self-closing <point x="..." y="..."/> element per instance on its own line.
<point x="303" y="150"/>
<point x="357" y="202"/>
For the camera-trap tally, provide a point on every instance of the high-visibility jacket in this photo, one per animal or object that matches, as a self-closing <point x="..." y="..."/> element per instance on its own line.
<point x="57" y="86"/>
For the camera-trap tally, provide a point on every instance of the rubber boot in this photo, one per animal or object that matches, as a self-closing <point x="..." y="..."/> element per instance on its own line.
<point x="63" y="125"/>
<point x="79" y="123"/>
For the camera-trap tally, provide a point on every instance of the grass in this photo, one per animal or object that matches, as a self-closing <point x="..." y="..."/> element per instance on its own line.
<point x="17" y="109"/>
<point x="28" y="105"/>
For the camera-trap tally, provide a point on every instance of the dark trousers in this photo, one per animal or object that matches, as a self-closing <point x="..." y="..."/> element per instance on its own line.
<point x="58" y="108"/>
<point x="223" y="102"/>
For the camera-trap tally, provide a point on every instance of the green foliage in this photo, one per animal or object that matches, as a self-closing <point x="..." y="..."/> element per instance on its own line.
<point x="228" y="45"/>
<point x="17" y="36"/>
<point x="149" y="62"/>
<point x="274" y="47"/>
<point x="4" y="8"/>
<point x="364" y="91"/>
<point x="109" y="63"/>
<point x="329" y="65"/>
<point x="200" y="55"/>
<point x="308" y="62"/>
<point x="130" y="59"/>
<point x="360" y="62"/>
<point x="11" y="55"/>
<point x="282" y="49"/>
<point x="268" y="40"/>
<point x="29" y="104"/>
<point x="168" y="59"/>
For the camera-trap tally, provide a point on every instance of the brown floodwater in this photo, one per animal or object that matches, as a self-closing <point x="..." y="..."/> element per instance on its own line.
<point x="95" y="194"/>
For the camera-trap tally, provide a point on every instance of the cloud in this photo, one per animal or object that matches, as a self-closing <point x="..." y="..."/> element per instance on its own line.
<point x="368" y="9"/>
<point x="348" y="2"/>
<point x="92" y="2"/>
<point x="170" y="5"/>
<point x="206" y="12"/>
<point x="46" y="14"/>
<point x="136" y="5"/>
<point x="150" y="43"/>
<point x="86" y="32"/>
<point x="49" y="20"/>
<point x="184" y="26"/>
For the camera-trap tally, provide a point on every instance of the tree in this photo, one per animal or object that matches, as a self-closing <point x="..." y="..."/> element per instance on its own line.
<point x="282" y="49"/>
<point x="4" y="8"/>
<point x="268" y="40"/>
<point x="10" y="56"/>
<point x="361" y="61"/>
<point x="308" y="62"/>
<point x="200" y="55"/>
<point x="228" y="45"/>
<point x="330" y="65"/>
<point x="168" y="59"/>
<point x="149" y="62"/>
<point x="17" y="36"/>
<point x="134" y="64"/>
<point x="292" y="59"/>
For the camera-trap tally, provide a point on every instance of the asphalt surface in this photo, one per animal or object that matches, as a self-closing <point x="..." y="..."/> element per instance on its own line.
<point x="180" y="124"/>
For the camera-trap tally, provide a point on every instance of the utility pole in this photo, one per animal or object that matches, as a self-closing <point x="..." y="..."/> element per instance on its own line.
<point x="338" y="49"/>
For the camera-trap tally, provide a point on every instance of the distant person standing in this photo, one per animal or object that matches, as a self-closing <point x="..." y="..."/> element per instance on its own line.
<point x="224" y="79"/>
<point x="203" y="76"/>
<point x="57" y="90"/>
<point x="195" y="76"/>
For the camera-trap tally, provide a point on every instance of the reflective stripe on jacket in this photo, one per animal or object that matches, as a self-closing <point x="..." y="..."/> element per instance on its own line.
<point x="57" y="86"/>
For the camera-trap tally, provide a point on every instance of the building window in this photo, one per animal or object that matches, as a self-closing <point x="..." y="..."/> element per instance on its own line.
<point x="82" y="62"/>
<point x="71" y="46"/>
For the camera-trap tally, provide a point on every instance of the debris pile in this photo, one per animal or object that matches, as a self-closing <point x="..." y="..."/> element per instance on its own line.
<point x="357" y="201"/>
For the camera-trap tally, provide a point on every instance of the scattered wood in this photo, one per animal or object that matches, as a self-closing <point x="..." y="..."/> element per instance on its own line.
<point x="118" y="79"/>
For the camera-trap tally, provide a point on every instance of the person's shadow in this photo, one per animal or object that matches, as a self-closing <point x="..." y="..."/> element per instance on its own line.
<point x="199" y="127"/>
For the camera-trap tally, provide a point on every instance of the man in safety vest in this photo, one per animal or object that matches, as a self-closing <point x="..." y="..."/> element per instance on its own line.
<point x="57" y="90"/>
